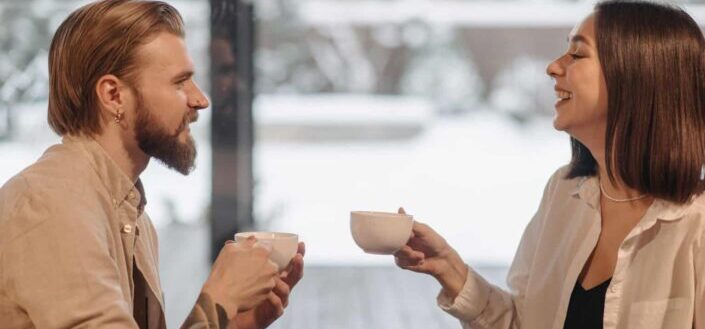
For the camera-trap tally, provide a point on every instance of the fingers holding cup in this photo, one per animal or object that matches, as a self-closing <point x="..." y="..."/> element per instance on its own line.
<point x="281" y="246"/>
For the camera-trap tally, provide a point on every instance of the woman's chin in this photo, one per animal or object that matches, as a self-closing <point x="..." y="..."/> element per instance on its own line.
<point x="559" y="124"/>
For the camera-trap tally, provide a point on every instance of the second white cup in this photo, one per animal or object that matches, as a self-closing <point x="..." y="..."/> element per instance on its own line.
<point x="380" y="233"/>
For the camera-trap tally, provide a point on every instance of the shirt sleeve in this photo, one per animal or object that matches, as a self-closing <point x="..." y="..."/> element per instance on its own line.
<point x="481" y="305"/>
<point x="206" y="314"/>
<point x="699" y="307"/>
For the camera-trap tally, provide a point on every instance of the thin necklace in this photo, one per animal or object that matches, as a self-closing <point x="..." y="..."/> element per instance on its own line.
<point x="602" y="189"/>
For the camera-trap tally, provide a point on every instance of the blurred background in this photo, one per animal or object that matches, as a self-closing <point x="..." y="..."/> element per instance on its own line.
<point x="320" y="107"/>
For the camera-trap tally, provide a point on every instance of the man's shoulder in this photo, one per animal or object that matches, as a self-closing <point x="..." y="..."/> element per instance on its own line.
<point x="60" y="168"/>
<point x="58" y="164"/>
<point x="58" y="184"/>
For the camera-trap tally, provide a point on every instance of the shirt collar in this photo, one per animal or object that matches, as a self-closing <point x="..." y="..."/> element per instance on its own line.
<point x="670" y="211"/>
<point x="120" y="187"/>
<point x="587" y="189"/>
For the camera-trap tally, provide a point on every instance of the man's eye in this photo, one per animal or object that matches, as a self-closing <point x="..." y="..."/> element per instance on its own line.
<point x="576" y="56"/>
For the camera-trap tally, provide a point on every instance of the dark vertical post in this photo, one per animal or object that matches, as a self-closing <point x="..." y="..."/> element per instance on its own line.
<point x="232" y="137"/>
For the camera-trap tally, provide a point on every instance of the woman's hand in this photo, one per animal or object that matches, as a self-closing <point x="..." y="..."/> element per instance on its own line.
<point x="428" y="252"/>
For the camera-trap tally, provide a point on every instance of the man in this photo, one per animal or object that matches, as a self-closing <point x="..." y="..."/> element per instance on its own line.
<point x="76" y="248"/>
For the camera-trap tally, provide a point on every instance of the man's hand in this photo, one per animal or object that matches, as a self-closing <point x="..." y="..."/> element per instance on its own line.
<point x="241" y="278"/>
<point x="273" y="307"/>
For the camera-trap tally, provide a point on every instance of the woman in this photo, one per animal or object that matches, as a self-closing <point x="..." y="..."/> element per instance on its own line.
<point x="619" y="238"/>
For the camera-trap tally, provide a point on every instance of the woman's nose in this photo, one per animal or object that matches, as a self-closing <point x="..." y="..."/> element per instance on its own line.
<point x="554" y="69"/>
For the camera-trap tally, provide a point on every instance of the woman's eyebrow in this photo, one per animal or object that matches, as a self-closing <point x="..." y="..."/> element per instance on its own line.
<point x="577" y="38"/>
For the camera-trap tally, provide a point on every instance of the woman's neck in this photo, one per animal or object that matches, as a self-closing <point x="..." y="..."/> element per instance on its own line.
<point x="616" y="189"/>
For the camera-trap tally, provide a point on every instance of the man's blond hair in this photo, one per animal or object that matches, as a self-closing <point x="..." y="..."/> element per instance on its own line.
<point x="98" y="39"/>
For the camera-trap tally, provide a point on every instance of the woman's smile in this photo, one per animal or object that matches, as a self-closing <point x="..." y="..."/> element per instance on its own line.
<point x="562" y="96"/>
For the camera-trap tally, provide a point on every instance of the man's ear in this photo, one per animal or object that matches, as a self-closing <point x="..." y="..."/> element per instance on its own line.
<point x="111" y="98"/>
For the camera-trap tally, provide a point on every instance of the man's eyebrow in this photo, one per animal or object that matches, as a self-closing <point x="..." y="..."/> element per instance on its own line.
<point x="184" y="75"/>
<point x="577" y="38"/>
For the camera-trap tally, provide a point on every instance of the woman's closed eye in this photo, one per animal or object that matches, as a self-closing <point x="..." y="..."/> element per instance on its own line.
<point x="576" y="56"/>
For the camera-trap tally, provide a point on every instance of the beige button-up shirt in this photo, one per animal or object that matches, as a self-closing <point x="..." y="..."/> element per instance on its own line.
<point x="77" y="249"/>
<point x="658" y="282"/>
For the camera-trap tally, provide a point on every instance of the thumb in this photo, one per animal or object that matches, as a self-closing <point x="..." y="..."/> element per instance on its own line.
<point x="419" y="229"/>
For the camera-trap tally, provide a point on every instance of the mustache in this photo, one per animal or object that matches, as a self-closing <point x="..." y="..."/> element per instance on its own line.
<point x="188" y="119"/>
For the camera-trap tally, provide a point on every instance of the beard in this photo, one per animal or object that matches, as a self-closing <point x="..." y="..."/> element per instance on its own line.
<point x="157" y="142"/>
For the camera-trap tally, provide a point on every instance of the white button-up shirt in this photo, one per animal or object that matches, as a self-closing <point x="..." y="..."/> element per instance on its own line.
<point x="658" y="281"/>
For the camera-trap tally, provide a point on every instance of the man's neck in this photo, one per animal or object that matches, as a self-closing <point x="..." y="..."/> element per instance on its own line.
<point x="127" y="155"/>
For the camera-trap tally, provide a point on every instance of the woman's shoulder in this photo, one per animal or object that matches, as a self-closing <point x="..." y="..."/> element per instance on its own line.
<point x="560" y="181"/>
<point x="697" y="208"/>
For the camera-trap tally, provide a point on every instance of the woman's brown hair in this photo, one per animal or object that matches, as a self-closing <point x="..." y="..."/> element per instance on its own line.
<point x="98" y="39"/>
<point x="652" y="58"/>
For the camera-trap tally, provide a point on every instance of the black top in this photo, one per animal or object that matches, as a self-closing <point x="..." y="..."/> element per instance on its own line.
<point x="586" y="307"/>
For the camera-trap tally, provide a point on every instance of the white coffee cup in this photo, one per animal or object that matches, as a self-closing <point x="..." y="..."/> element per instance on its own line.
<point x="283" y="246"/>
<point x="380" y="233"/>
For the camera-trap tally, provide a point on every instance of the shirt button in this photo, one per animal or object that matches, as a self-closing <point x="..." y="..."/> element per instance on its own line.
<point x="127" y="228"/>
<point x="131" y="195"/>
<point x="115" y="203"/>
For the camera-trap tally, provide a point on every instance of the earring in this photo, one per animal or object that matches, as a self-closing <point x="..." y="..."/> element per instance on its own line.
<point x="702" y="172"/>
<point x="119" y="115"/>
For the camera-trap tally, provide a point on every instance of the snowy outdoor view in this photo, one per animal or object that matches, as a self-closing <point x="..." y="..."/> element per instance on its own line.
<point x="381" y="107"/>
<point x="442" y="107"/>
